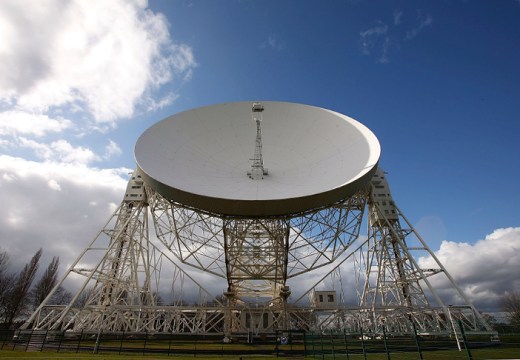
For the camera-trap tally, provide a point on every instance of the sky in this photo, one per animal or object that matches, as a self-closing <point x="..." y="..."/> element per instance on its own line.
<point x="438" y="82"/>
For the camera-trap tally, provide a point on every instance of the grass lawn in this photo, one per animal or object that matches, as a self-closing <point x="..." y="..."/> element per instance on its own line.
<point x="8" y="354"/>
<point x="499" y="352"/>
<point x="180" y="348"/>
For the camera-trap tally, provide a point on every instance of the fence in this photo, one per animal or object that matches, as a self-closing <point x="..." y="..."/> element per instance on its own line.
<point x="289" y="343"/>
<point x="325" y="345"/>
<point x="364" y="346"/>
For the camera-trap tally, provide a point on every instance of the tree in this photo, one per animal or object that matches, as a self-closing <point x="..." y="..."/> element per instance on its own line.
<point x="84" y="297"/>
<point x="61" y="296"/>
<point x="4" y="260"/>
<point x="6" y="284"/>
<point x="18" y="297"/>
<point x="46" y="283"/>
<point x="490" y="319"/>
<point x="511" y="305"/>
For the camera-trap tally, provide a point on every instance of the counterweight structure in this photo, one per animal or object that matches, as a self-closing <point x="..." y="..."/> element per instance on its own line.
<point x="201" y="270"/>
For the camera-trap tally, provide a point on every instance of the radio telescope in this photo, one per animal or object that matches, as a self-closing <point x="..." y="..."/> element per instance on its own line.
<point x="257" y="196"/>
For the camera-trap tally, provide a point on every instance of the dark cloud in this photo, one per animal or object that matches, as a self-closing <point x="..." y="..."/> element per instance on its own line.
<point x="58" y="207"/>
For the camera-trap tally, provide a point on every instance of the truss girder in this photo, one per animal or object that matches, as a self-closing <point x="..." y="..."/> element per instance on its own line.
<point x="206" y="320"/>
<point x="257" y="255"/>
<point x="123" y="270"/>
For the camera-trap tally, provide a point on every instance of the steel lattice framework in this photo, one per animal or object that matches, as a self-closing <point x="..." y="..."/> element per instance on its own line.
<point x="127" y="270"/>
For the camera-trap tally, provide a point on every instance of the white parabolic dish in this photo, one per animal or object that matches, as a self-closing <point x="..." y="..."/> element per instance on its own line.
<point x="200" y="158"/>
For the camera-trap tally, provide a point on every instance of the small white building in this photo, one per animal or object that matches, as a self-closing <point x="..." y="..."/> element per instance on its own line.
<point x="323" y="299"/>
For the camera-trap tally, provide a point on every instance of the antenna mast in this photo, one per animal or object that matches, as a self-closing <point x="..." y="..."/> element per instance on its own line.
<point x="257" y="168"/>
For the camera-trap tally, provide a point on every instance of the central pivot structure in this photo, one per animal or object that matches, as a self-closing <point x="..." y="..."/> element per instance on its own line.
<point x="257" y="167"/>
<point x="229" y="255"/>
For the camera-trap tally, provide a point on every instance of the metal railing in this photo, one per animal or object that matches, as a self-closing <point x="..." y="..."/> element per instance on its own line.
<point x="329" y="344"/>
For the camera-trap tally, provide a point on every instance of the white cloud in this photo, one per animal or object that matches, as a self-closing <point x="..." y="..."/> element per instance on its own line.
<point x="380" y="39"/>
<point x="376" y="38"/>
<point x="398" y="14"/>
<point x="16" y="122"/>
<point x="377" y="30"/>
<point x="14" y="169"/>
<point x="67" y="153"/>
<point x="60" y="151"/>
<point x="99" y="56"/>
<point x="71" y="70"/>
<point x="424" y="20"/>
<point x="53" y="184"/>
<point x="273" y="42"/>
<point x="112" y="149"/>
<point x="383" y="59"/>
<point x="61" y="206"/>
<point x="161" y="103"/>
<point x="484" y="270"/>
<point x="183" y="62"/>
<point x="370" y="36"/>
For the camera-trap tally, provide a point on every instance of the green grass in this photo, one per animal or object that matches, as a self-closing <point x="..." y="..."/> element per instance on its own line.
<point x="47" y="355"/>
<point x="509" y="348"/>
<point x="499" y="352"/>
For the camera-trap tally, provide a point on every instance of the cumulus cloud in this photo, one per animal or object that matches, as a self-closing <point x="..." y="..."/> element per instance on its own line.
<point x="61" y="151"/>
<point x="101" y="56"/>
<point x="60" y="206"/>
<point x="56" y="206"/>
<point x="70" y="70"/>
<point x="16" y="122"/>
<point x="484" y="270"/>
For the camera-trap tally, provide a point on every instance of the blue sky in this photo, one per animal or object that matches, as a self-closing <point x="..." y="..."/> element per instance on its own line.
<point x="438" y="82"/>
